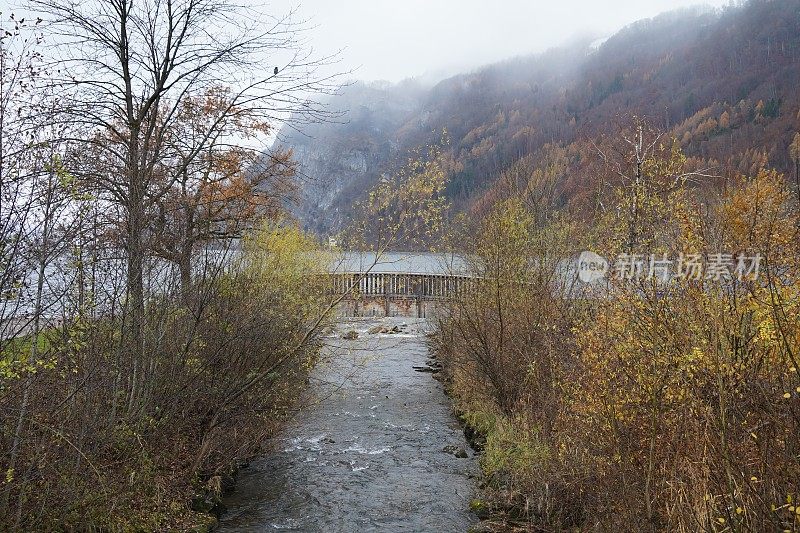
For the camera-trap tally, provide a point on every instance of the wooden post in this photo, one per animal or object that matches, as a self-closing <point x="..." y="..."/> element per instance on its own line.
<point x="386" y="305"/>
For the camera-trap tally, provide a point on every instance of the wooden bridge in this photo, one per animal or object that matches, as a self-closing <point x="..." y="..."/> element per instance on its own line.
<point x="399" y="285"/>
<point x="417" y="295"/>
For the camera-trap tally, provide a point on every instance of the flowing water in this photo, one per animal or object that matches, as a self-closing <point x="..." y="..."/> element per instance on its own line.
<point x="366" y="453"/>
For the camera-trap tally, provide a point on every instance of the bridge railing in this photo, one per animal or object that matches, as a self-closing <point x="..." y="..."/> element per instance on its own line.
<point x="400" y="285"/>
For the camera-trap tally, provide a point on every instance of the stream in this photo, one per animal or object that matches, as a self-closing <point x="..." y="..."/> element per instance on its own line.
<point x="373" y="449"/>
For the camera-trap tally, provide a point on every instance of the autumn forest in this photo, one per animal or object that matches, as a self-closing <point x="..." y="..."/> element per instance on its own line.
<point x="185" y="181"/>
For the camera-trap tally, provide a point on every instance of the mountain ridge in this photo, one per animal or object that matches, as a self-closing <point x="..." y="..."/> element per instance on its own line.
<point x="722" y="81"/>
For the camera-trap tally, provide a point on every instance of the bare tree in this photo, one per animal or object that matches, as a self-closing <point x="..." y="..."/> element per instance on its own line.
<point x="36" y="225"/>
<point x="131" y="66"/>
<point x="20" y="64"/>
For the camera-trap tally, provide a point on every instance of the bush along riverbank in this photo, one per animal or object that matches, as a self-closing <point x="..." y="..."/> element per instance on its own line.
<point x="663" y="406"/>
<point x="109" y="441"/>
<point x="502" y="455"/>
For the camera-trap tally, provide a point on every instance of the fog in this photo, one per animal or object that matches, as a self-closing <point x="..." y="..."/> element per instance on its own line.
<point x="396" y="39"/>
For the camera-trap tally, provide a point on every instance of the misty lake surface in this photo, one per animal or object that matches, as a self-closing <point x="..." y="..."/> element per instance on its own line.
<point x="366" y="451"/>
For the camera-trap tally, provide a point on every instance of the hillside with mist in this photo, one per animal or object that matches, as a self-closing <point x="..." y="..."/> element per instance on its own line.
<point x="722" y="82"/>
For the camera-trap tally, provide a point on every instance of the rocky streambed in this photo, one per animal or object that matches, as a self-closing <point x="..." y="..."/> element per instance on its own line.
<point x="374" y="448"/>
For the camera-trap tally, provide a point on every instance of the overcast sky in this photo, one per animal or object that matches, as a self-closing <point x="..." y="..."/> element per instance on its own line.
<point x="396" y="39"/>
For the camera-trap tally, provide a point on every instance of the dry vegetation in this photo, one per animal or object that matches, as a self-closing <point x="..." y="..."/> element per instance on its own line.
<point x="158" y="313"/>
<point x="650" y="406"/>
<point x="225" y="364"/>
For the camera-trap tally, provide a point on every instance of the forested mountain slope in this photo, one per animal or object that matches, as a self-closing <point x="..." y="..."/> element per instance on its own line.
<point x="723" y="82"/>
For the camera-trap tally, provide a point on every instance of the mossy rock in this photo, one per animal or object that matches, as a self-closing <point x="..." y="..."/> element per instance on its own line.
<point x="208" y="504"/>
<point x="202" y="504"/>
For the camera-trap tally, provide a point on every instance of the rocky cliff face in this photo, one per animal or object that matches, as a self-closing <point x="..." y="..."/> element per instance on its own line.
<point x="338" y="160"/>
<point x="325" y="172"/>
